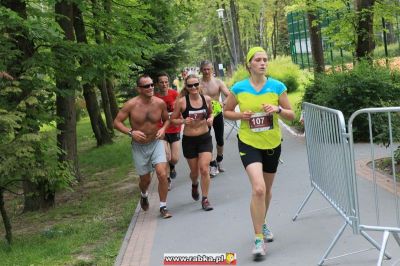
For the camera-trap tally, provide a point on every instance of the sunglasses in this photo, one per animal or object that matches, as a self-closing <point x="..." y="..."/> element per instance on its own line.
<point x="192" y="85"/>
<point x="147" y="86"/>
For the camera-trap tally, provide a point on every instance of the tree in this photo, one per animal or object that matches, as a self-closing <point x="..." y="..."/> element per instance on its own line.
<point x="364" y="28"/>
<point x="99" y="128"/>
<point x="65" y="82"/>
<point x="26" y="159"/>
<point x="315" y="39"/>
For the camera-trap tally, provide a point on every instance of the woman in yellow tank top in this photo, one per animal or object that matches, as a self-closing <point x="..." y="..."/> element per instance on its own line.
<point x="261" y="100"/>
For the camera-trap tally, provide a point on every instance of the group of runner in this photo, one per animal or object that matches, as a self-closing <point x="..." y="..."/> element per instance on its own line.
<point x="198" y="107"/>
<point x="156" y="119"/>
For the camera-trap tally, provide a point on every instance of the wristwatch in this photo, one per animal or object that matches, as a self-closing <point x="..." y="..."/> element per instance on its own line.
<point x="130" y="132"/>
<point x="279" y="109"/>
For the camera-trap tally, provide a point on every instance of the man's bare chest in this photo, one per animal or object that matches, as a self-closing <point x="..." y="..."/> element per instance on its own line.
<point x="142" y="114"/>
<point x="211" y="88"/>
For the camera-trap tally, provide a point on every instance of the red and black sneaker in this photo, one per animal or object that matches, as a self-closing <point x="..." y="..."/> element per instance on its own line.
<point x="144" y="203"/>
<point x="205" y="204"/>
<point x="195" y="192"/>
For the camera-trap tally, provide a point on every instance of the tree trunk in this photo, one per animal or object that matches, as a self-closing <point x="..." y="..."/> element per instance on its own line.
<point x="95" y="11"/>
<point x="37" y="196"/>
<point x="65" y="98"/>
<point x="106" y="106"/>
<point x="99" y="129"/>
<point x="391" y="33"/>
<point x="261" y="27"/>
<point x="109" y="84"/>
<point x="316" y="43"/>
<point x="111" y="96"/>
<point x="274" y="39"/>
<point x="6" y="219"/>
<point x="364" y="29"/>
<point x="235" y="22"/>
<point x="226" y="39"/>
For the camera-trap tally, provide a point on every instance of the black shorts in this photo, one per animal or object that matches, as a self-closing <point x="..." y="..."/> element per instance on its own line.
<point x="193" y="145"/>
<point x="269" y="158"/>
<point x="172" y="137"/>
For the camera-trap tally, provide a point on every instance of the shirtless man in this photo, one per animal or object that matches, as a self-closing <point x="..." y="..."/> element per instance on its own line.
<point x="145" y="112"/>
<point x="213" y="87"/>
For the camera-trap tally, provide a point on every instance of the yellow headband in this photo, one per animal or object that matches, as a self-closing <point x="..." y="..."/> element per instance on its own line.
<point x="252" y="52"/>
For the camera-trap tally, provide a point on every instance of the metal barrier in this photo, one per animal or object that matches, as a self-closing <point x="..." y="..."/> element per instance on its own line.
<point x="376" y="226"/>
<point x="233" y="124"/>
<point x="330" y="152"/>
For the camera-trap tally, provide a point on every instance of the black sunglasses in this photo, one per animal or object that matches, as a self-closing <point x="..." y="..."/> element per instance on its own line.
<point x="147" y="86"/>
<point x="192" y="85"/>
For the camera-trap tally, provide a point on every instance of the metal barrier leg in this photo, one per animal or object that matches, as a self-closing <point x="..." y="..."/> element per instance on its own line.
<point x="303" y="204"/>
<point x="233" y="127"/>
<point x="396" y="237"/>
<point x="338" y="235"/>
<point x="375" y="244"/>
<point x="383" y="247"/>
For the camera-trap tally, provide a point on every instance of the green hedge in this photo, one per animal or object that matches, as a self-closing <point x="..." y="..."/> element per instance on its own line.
<point x="363" y="87"/>
<point x="281" y="69"/>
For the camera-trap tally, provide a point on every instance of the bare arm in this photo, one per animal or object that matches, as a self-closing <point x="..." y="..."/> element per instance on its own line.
<point x="229" y="110"/>
<point x="175" y="117"/>
<point x="224" y="89"/>
<point x="164" y="116"/>
<point x="284" y="106"/>
<point x="122" y="115"/>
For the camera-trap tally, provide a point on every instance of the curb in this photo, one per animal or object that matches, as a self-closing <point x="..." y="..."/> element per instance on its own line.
<point x="290" y="130"/>
<point x="128" y="234"/>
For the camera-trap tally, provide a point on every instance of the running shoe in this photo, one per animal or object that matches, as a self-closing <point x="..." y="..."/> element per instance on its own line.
<point x="268" y="235"/>
<point x="213" y="171"/>
<point x="169" y="184"/>
<point x="220" y="167"/>
<point x="164" y="213"/>
<point x="172" y="173"/>
<point x="144" y="203"/>
<point x="195" y="192"/>
<point x="259" y="249"/>
<point x="205" y="204"/>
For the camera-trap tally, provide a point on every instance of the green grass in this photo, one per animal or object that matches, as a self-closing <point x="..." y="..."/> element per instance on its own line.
<point x="88" y="224"/>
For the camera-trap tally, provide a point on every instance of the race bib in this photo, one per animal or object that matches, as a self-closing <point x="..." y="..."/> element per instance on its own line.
<point x="261" y="122"/>
<point x="216" y="107"/>
<point x="198" y="114"/>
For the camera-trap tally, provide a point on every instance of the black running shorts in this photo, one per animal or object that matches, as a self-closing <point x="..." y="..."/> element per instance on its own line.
<point x="269" y="158"/>
<point x="172" y="137"/>
<point x="193" y="145"/>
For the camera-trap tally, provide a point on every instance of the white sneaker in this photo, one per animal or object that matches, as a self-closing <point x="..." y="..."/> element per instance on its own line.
<point x="268" y="235"/>
<point x="213" y="171"/>
<point x="220" y="168"/>
<point x="259" y="249"/>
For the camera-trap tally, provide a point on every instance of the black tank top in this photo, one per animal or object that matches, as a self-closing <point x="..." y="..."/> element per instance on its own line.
<point x="195" y="113"/>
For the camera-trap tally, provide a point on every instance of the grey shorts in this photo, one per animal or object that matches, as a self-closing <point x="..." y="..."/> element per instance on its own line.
<point x="146" y="156"/>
